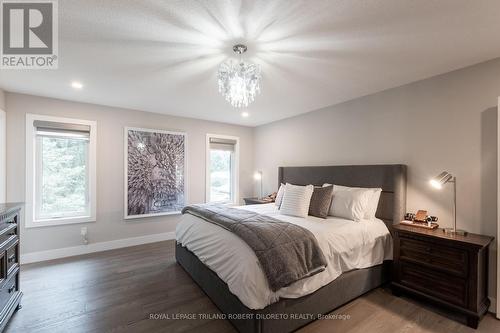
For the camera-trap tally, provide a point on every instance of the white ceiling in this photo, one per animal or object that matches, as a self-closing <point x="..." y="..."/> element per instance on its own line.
<point x="162" y="56"/>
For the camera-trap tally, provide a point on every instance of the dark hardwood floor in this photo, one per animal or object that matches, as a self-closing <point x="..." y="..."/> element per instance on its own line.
<point x="117" y="291"/>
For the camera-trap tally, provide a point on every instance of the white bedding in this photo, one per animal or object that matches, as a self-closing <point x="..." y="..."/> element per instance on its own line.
<point x="346" y="245"/>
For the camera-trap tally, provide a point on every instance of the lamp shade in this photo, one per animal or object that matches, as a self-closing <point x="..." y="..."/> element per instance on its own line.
<point x="441" y="179"/>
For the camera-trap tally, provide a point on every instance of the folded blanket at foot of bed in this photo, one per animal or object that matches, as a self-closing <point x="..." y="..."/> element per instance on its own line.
<point x="286" y="252"/>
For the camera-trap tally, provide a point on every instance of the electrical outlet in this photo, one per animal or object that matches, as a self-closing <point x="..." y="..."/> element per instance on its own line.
<point x="83" y="232"/>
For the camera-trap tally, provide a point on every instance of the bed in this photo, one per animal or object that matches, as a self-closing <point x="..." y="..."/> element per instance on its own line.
<point x="358" y="257"/>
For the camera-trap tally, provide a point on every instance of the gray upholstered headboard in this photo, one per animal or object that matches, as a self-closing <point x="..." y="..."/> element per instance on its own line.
<point x="390" y="178"/>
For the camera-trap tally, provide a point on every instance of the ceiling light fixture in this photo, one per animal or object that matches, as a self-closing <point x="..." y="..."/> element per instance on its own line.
<point x="76" y="85"/>
<point x="239" y="81"/>
<point x="245" y="114"/>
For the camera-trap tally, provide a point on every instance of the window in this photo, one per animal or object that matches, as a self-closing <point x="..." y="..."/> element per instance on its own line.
<point x="60" y="171"/>
<point x="222" y="169"/>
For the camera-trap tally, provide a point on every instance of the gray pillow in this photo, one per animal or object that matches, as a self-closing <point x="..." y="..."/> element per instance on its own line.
<point x="320" y="201"/>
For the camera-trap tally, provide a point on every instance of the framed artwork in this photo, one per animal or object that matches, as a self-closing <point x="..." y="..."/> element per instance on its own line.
<point x="155" y="172"/>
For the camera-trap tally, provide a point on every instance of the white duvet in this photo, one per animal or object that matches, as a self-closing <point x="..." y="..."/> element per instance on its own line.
<point x="346" y="244"/>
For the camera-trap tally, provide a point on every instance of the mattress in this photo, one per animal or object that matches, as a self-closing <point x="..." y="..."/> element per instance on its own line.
<point x="346" y="244"/>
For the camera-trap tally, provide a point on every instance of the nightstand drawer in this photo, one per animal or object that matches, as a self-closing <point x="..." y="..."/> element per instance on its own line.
<point x="445" y="258"/>
<point x="7" y="233"/>
<point x="449" y="288"/>
<point x="12" y="256"/>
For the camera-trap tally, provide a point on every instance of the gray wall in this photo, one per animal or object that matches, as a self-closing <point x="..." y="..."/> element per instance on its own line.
<point x="110" y="224"/>
<point x="2" y="99"/>
<point x="448" y="122"/>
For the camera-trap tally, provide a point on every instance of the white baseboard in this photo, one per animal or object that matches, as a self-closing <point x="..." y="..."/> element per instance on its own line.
<point x="32" y="257"/>
<point x="493" y="305"/>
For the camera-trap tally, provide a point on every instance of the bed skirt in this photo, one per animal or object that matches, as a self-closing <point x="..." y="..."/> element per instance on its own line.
<point x="286" y="315"/>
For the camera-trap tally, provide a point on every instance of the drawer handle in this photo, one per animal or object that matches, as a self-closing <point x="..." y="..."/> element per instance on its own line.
<point x="11" y="289"/>
<point x="11" y="258"/>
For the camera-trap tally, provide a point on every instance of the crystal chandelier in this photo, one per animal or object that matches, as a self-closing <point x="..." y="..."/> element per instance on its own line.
<point x="239" y="81"/>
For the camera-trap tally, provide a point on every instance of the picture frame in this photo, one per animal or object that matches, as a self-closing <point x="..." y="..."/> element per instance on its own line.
<point x="155" y="170"/>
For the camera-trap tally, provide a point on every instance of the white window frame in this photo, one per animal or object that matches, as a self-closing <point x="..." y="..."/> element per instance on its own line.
<point x="235" y="167"/>
<point x="30" y="221"/>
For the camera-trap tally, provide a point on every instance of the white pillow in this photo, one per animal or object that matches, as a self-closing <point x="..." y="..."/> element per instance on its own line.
<point x="372" y="208"/>
<point x="373" y="198"/>
<point x="279" y="195"/>
<point x="296" y="200"/>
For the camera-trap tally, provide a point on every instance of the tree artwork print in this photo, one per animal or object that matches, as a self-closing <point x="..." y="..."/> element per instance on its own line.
<point x="155" y="179"/>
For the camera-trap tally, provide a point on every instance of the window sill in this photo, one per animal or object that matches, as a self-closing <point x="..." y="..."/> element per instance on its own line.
<point x="61" y="221"/>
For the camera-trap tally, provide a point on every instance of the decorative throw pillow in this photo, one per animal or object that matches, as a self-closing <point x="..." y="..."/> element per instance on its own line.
<point x="321" y="200"/>
<point x="296" y="200"/>
<point x="374" y="198"/>
<point x="279" y="195"/>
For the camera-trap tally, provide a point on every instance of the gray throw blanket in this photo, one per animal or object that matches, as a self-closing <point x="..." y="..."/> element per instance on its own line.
<point x="286" y="252"/>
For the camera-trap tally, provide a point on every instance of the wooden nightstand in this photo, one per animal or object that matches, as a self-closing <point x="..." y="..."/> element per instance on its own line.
<point x="256" y="201"/>
<point x="450" y="270"/>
